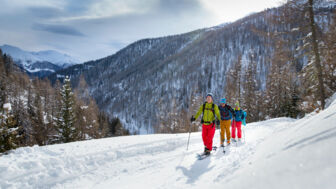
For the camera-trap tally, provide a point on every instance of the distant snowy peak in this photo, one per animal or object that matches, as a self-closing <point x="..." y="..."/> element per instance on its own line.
<point x="56" y="58"/>
<point x="39" y="63"/>
<point x="51" y="56"/>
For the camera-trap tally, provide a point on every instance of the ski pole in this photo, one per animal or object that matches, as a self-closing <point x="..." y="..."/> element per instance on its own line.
<point x="244" y="134"/>
<point x="189" y="135"/>
<point x="236" y="129"/>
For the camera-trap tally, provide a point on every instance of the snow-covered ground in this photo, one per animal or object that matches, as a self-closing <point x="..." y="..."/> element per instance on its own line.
<point x="278" y="153"/>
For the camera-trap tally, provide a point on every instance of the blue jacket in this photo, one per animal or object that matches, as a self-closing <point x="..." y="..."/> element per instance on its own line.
<point x="239" y="115"/>
<point x="226" y="112"/>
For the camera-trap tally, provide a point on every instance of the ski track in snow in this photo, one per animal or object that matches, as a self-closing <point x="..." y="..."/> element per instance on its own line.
<point x="101" y="161"/>
<point x="161" y="160"/>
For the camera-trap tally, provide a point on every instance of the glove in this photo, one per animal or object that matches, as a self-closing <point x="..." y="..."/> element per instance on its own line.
<point x="192" y="119"/>
<point x="217" y="122"/>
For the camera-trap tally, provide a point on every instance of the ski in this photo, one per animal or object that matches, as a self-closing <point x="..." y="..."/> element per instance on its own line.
<point x="202" y="156"/>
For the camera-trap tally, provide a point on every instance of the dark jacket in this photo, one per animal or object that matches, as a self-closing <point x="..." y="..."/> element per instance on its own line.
<point x="226" y="112"/>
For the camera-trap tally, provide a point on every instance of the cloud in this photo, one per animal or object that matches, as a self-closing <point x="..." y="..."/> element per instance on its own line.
<point x="58" y="29"/>
<point x="108" y="25"/>
<point x="179" y="6"/>
<point x="45" y="12"/>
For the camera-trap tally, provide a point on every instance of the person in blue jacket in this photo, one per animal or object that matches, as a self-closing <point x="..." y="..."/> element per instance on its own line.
<point x="238" y="118"/>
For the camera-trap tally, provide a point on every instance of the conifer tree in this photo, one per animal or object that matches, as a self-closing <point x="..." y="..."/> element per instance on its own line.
<point x="9" y="130"/>
<point x="66" y="119"/>
<point x="38" y="125"/>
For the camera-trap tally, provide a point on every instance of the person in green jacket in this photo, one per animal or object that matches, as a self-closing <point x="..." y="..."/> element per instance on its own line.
<point x="209" y="110"/>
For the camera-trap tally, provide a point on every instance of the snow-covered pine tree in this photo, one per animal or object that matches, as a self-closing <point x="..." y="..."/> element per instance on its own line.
<point x="66" y="119"/>
<point x="39" y="129"/>
<point x="9" y="130"/>
<point x="2" y="81"/>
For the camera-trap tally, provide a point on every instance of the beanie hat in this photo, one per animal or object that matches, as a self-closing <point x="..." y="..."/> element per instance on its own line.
<point x="223" y="100"/>
<point x="237" y="105"/>
<point x="209" y="94"/>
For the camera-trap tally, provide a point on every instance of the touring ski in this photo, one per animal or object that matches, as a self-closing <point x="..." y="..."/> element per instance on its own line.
<point x="202" y="156"/>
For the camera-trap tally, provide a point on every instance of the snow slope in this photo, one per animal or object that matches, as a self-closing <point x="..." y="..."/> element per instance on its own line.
<point x="278" y="153"/>
<point x="26" y="57"/>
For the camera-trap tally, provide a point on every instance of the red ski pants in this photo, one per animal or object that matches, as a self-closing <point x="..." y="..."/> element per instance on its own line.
<point x="236" y="125"/>
<point x="208" y="132"/>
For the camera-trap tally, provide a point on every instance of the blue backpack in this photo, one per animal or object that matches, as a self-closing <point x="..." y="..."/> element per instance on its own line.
<point x="239" y="115"/>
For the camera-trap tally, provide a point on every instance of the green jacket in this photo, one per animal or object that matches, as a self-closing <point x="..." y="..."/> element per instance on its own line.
<point x="208" y="114"/>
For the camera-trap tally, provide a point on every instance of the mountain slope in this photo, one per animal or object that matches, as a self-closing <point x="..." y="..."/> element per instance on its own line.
<point x="278" y="153"/>
<point x="153" y="77"/>
<point x="39" y="63"/>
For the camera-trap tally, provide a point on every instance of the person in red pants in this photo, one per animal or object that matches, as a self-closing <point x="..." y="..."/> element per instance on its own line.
<point x="210" y="112"/>
<point x="236" y="123"/>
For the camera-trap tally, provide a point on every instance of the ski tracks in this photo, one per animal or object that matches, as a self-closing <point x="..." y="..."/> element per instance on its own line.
<point x="129" y="162"/>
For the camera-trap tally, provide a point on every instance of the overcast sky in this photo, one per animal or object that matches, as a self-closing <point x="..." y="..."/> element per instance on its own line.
<point x="92" y="29"/>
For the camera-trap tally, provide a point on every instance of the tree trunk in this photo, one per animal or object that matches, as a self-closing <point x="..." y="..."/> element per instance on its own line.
<point x="317" y="55"/>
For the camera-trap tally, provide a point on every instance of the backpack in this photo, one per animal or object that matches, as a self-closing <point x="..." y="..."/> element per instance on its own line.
<point x="239" y="115"/>
<point x="212" y="109"/>
<point x="226" y="113"/>
<point x="244" y="120"/>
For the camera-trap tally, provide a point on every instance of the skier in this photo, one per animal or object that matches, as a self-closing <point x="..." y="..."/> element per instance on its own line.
<point x="236" y="123"/>
<point x="226" y="113"/>
<point x="209" y="110"/>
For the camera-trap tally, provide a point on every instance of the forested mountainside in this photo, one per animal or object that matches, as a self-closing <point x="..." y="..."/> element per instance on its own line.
<point x="32" y="112"/>
<point x="263" y="60"/>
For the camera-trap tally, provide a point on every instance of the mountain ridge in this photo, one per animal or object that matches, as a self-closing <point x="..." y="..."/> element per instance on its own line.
<point x="151" y="77"/>
<point x="40" y="63"/>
